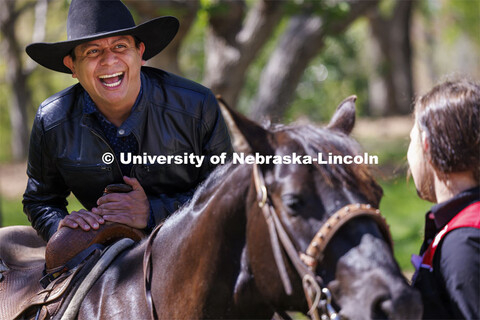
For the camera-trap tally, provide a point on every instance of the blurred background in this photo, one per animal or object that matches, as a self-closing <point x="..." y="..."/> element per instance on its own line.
<point x="278" y="60"/>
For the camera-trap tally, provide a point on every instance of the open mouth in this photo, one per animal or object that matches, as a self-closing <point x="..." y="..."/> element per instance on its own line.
<point x="112" y="80"/>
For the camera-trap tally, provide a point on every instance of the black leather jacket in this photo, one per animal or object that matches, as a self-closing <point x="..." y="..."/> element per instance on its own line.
<point x="174" y="116"/>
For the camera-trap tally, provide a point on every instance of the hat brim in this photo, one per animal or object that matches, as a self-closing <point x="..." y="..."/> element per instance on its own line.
<point x="156" y="34"/>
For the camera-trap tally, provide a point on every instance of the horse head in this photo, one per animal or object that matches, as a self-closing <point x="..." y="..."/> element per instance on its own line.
<point x="315" y="242"/>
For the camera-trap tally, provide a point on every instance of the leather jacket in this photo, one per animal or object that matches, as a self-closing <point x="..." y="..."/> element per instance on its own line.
<point x="174" y="116"/>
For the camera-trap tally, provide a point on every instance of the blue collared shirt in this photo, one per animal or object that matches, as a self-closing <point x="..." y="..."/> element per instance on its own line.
<point x="120" y="139"/>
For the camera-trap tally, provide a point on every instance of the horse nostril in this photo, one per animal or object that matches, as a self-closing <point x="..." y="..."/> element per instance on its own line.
<point x="382" y="308"/>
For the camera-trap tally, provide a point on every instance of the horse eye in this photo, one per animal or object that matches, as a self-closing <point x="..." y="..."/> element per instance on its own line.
<point x="293" y="202"/>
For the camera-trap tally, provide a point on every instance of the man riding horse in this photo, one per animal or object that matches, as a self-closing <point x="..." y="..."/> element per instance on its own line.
<point x="118" y="107"/>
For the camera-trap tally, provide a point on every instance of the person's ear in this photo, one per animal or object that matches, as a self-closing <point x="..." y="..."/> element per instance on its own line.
<point x="424" y="140"/>
<point x="68" y="62"/>
<point x="141" y="47"/>
<point x="426" y="147"/>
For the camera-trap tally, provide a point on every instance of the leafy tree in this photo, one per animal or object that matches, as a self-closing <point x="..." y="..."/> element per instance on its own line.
<point x="391" y="85"/>
<point x="16" y="73"/>
<point x="236" y="33"/>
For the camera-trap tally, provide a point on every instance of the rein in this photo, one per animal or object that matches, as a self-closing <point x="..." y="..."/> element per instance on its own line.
<point x="305" y="263"/>
<point x="148" y="272"/>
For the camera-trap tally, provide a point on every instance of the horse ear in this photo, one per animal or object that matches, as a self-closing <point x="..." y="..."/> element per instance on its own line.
<point x="247" y="136"/>
<point x="344" y="117"/>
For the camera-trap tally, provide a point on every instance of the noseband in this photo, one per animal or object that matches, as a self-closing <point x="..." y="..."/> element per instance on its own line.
<point x="305" y="263"/>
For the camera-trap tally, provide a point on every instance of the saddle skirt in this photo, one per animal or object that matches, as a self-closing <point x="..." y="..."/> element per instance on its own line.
<point x="22" y="259"/>
<point x="22" y="263"/>
<point x="21" y="247"/>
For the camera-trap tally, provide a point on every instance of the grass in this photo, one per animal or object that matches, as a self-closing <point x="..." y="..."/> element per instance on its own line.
<point x="405" y="213"/>
<point x="11" y="210"/>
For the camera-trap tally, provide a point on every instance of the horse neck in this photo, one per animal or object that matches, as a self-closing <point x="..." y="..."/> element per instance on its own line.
<point x="218" y="203"/>
<point x="198" y="251"/>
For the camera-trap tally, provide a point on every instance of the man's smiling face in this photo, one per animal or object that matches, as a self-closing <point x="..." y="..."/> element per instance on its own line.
<point x="109" y="70"/>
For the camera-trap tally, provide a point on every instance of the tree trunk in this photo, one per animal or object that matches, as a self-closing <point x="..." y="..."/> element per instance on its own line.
<point x="300" y="43"/>
<point x="233" y="43"/>
<point x="15" y="76"/>
<point x="184" y="10"/>
<point x="391" y="83"/>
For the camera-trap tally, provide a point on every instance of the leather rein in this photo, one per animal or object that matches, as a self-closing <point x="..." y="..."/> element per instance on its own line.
<point x="317" y="295"/>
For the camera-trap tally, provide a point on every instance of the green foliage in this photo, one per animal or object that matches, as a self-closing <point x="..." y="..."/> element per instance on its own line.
<point x="255" y="70"/>
<point x="452" y="42"/>
<point x="192" y="53"/>
<point x="463" y="17"/>
<point x="329" y="10"/>
<point x="213" y="9"/>
<point x="405" y="213"/>
<point x="12" y="210"/>
<point x="386" y="7"/>
<point x="47" y="83"/>
<point x="391" y="153"/>
<point x="332" y="76"/>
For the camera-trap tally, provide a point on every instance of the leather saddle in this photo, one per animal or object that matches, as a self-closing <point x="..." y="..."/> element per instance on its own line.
<point x="67" y="243"/>
<point x="21" y="269"/>
<point x="24" y="256"/>
<point x="22" y="261"/>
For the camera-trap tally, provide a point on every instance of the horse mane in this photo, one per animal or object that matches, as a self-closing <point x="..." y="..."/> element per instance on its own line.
<point x="316" y="140"/>
<point x="212" y="184"/>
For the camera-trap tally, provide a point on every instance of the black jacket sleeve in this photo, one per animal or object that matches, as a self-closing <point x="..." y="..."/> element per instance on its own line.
<point x="459" y="263"/>
<point x="215" y="141"/>
<point x="44" y="200"/>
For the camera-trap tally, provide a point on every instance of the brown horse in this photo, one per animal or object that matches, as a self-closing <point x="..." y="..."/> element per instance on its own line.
<point x="220" y="257"/>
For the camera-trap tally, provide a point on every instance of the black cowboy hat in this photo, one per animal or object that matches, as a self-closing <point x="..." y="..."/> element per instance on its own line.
<point x="94" y="19"/>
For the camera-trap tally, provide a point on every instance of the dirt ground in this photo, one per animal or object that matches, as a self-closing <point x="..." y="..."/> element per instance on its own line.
<point x="13" y="178"/>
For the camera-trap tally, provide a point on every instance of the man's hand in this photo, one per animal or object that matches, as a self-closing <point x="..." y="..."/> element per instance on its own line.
<point x="83" y="218"/>
<point x="130" y="208"/>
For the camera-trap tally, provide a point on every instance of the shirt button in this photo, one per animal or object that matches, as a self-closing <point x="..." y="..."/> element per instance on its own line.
<point x="121" y="132"/>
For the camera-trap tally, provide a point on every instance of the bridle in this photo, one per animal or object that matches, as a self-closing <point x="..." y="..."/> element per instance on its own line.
<point x="318" y="296"/>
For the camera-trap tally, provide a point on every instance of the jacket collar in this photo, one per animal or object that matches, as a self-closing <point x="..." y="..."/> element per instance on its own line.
<point x="135" y="122"/>
<point x="440" y="214"/>
<point x="445" y="211"/>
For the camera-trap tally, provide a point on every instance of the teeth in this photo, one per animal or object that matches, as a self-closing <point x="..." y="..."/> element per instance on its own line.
<point x="111" y="75"/>
<point x="113" y="84"/>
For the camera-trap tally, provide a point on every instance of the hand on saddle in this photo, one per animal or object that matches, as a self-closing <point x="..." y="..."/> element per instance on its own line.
<point x="83" y="218"/>
<point x="130" y="208"/>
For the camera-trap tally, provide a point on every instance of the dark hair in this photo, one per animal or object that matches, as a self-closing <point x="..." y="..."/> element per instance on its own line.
<point x="137" y="45"/>
<point x="449" y="115"/>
